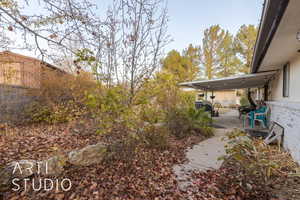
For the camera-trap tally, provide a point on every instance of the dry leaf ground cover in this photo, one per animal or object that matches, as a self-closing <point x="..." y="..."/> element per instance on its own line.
<point x="146" y="174"/>
<point x="40" y="141"/>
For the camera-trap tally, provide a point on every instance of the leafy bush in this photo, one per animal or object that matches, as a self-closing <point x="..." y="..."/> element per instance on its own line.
<point x="110" y="105"/>
<point x="155" y="136"/>
<point x="185" y="121"/>
<point x="38" y="113"/>
<point x="63" y="98"/>
<point x="244" y="101"/>
<point x="151" y="114"/>
<point x="149" y="136"/>
<point x="258" y="159"/>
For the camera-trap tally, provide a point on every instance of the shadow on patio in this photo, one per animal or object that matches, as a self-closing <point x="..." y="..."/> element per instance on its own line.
<point x="228" y="120"/>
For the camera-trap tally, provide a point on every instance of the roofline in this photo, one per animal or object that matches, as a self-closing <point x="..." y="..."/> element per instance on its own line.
<point x="243" y="77"/>
<point x="272" y="14"/>
<point x="34" y="59"/>
<point x="227" y="78"/>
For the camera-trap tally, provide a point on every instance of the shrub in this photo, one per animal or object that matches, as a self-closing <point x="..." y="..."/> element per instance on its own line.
<point x="59" y="113"/>
<point x="38" y="113"/>
<point x="244" y="101"/>
<point x="110" y="105"/>
<point x="185" y="121"/>
<point x="155" y="136"/>
<point x="149" y="136"/>
<point x="60" y="98"/>
<point x="258" y="159"/>
<point x="151" y="114"/>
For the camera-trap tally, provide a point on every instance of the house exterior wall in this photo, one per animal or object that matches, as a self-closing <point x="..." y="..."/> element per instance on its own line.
<point x="286" y="110"/>
<point x="288" y="116"/>
<point x="19" y="74"/>
<point x="19" y="71"/>
<point x="276" y="86"/>
<point x="225" y="98"/>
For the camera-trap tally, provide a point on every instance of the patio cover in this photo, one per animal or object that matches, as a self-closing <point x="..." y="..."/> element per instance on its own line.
<point x="235" y="82"/>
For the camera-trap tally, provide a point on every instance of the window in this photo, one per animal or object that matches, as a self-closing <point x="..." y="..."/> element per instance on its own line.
<point x="286" y="80"/>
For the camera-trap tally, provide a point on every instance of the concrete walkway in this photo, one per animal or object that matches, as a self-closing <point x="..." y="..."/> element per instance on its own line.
<point x="204" y="156"/>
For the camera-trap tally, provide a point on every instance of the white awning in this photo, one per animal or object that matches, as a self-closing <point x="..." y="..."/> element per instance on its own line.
<point x="235" y="82"/>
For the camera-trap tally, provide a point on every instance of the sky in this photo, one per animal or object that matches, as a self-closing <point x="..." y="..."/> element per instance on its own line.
<point x="189" y="18"/>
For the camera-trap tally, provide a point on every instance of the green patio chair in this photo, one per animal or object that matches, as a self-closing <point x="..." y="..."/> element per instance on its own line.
<point x="259" y="115"/>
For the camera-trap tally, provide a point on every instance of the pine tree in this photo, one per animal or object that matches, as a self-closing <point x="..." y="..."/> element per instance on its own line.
<point x="244" y="43"/>
<point x="211" y="46"/>
<point x="229" y="63"/>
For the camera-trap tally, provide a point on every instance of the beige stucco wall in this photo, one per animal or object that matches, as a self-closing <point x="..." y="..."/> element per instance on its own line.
<point x="276" y="86"/>
<point x="226" y="97"/>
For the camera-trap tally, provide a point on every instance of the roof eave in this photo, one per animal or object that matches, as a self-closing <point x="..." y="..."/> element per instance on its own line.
<point x="271" y="17"/>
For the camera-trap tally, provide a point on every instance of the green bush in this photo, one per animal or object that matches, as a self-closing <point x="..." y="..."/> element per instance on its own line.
<point x="110" y="105"/>
<point x="38" y="113"/>
<point x="149" y="136"/>
<point x="151" y="113"/>
<point x="186" y="121"/>
<point x="244" y="101"/>
<point x="155" y="136"/>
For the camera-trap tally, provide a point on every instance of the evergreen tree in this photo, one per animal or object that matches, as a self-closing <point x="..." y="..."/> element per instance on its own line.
<point x="229" y="63"/>
<point x="244" y="43"/>
<point x="210" y="50"/>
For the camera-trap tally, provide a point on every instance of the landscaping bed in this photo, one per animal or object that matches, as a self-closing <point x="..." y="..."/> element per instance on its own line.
<point x="251" y="170"/>
<point x="40" y="141"/>
<point x="145" y="173"/>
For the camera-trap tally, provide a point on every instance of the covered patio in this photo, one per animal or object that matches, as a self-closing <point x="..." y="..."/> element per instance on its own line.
<point x="247" y="81"/>
<point x="258" y="80"/>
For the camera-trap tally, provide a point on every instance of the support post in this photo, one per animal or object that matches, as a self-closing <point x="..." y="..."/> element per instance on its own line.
<point x="250" y="98"/>
<point x="266" y="92"/>
<point x="212" y="103"/>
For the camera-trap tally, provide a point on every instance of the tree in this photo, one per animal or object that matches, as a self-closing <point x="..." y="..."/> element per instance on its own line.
<point x="4" y="41"/>
<point x="54" y="25"/>
<point x="211" y="46"/>
<point x="183" y="67"/>
<point x="229" y="63"/>
<point x="244" y="43"/>
<point x="143" y="34"/>
<point x="126" y="44"/>
<point x="192" y="54"/>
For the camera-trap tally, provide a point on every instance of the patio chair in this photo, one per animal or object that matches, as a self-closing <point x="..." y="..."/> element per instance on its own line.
<point x="260" y="117"/>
